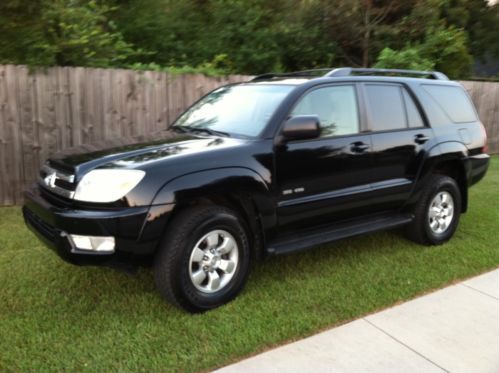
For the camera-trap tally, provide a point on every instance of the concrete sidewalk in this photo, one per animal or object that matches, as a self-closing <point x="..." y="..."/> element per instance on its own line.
<point x="455" y="329"/>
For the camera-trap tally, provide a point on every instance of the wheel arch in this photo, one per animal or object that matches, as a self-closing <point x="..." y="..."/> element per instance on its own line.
<point x="455" y="169"/>
<point x="240" y="189"/>
<point x="450" y="159"/>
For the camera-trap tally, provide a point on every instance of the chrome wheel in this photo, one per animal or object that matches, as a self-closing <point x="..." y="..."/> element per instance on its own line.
<point x="441" y="212"/>
<point x="213" y="261"/>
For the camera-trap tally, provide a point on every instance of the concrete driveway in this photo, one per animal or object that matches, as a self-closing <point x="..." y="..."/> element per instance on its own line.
<point x="455" y="329"/>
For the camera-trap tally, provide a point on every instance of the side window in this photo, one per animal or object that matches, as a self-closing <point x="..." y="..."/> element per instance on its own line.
<point x="453" y="101"/>
<point x="413" y="115"/>
<point x="336" y="107"/>
<point x="386" y="107"/>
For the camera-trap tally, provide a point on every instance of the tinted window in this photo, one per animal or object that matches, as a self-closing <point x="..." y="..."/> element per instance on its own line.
<point x="413" y="116"/>
<point x="336" y="107"/>
<point x="386" y="107"/>
<point x="453" y="101"/>
<point x="240" y="109"/>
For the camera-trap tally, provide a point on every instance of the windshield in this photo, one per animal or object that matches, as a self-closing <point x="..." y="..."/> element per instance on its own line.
<point x="240" y="109"/>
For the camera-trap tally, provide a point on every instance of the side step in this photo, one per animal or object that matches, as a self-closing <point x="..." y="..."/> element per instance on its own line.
<point x="318" y="236"/>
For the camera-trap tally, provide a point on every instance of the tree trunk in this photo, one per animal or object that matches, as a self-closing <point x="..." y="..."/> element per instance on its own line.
<point x="367" y="33"/>
<point x="365" y="48"/>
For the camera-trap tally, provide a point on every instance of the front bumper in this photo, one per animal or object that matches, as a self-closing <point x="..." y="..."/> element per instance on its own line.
<point x="137" y="230"/>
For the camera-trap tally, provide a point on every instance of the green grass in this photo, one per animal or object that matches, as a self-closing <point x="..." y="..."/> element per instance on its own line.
<point x="55" y="316"/>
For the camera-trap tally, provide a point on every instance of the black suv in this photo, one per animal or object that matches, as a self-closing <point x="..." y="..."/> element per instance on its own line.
<point x="278" y="164"/>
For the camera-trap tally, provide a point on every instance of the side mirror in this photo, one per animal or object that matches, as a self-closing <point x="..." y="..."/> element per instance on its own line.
<point x="302" y="127"/>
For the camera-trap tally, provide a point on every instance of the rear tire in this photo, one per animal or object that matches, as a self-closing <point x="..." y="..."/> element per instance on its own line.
<point x="203" y="261"/>
<point x="437" y="212"/>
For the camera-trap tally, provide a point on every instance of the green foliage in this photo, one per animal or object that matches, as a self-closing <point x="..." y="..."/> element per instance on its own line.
<point x="249" y="36"/>
<point x="81" y="33"/>
<point x="218" y="67"/>
<point x="22" y="37"/>
<point x="448" y="49"/>
<point x="66" y="32"/>
<point x="479" y="19"/>
<point x="407" y="58"/>
<point x="171" y="32"/>
<point x="195" y="32"/>
<point x="302" y="41"/>
<point x="444" y="49"/>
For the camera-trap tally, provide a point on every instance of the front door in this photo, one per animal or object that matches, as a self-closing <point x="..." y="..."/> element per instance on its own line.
<point x="328" y="178"/>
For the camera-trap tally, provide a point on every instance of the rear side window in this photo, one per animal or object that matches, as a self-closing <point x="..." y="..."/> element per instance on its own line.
<point x="386" y="107"/>
<point x="453" y="101"/>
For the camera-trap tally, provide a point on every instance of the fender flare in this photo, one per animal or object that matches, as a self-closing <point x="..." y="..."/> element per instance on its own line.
<point x="447" y="151"/>
<point x="440" y="153"/>
<point x="220" y="182"/>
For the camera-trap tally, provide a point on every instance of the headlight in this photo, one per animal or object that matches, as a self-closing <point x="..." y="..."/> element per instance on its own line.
<point x="107" y="185"/>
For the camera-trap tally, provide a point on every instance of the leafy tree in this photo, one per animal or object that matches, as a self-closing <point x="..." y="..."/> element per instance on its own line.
<point x="407" y="58"/>
<point x="249" y="36"/>
<point x="444" y="49"/>
<point x="448" y="49"/>
<point x="480" y="19"/>
<point x="80" y="33"/>
<point x="170" y="32"/>
<point x="195" y="32"/>
<point x="243" y="30"/>
<point x="22" y="34"/>
<point x="355" y="25"/>
<point x="302" y="38"/>
<point x="61" y="32"/>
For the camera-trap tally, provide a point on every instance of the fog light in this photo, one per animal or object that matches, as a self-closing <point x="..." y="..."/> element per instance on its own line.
<point x="93" y="243"/>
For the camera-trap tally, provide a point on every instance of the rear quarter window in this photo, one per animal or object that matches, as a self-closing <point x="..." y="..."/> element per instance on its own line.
<point x="453" y="101"/>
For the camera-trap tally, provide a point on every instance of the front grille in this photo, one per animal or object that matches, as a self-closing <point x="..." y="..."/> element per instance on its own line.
<point x="57" y="181"/>
<point x="45" y="229"/>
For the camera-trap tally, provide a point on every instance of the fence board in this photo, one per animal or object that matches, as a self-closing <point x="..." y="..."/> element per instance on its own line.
<point x="14" y="161"/>
<point x="4" y="195"/>
<point x="28" y="125"/>
<point x="45" y="111"/>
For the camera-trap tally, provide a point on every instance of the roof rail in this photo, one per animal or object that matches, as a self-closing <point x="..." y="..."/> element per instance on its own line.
<point x="313" y="72"/>
<point x="347" y="71"/>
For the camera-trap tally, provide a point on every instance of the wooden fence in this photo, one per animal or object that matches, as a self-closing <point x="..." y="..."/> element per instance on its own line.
<point x="46" y="111"/>
<point x="485" y="96"/>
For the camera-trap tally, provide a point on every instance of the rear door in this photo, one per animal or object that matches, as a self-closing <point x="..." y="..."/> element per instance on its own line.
<point x="400" y="138"/>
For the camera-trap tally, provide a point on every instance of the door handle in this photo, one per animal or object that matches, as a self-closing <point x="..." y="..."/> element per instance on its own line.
<point x="358" y="147"/>
<point x="421" y="139"/>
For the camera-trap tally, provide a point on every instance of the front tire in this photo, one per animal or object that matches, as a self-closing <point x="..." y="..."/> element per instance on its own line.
<point x="437" y="214"/>
<point x="203" y="261"/>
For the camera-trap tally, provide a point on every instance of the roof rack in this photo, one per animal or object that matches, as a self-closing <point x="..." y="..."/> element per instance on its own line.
<point x="303" y="73"/>
<point x="349" y="71"/>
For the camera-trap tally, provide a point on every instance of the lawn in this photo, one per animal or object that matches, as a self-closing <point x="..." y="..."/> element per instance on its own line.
<point x="54" y="316"/>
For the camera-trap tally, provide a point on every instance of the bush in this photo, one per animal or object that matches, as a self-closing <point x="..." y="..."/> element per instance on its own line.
<point x="408" y="58"/>
<point x="444" y="49"/>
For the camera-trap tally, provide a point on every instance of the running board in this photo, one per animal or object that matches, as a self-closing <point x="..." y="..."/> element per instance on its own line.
<point x="319" y="236"/>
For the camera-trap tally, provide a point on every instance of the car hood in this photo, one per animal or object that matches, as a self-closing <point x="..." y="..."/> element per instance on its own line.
<point x="131" y="153"/>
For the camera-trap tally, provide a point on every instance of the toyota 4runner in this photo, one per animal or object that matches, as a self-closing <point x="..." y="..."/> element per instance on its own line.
<point x="281" y="163"/>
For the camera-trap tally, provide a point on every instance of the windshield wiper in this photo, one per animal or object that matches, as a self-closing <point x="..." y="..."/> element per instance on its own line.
<point x="205" y="130"/>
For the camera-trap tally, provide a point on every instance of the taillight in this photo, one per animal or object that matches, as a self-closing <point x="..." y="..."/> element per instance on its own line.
<point x="485" y="148"/>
